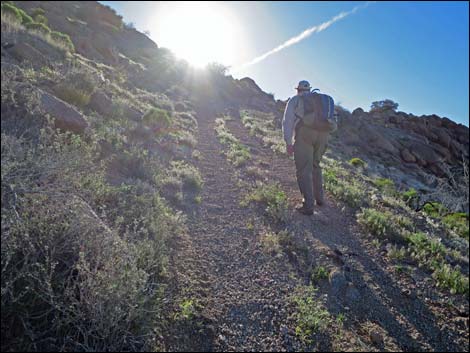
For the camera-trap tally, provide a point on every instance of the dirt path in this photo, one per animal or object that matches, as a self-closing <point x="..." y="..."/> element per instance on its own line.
<point x="244" y="294"/>
<point x="374" y="293"/>
<point x="241" y="291"/>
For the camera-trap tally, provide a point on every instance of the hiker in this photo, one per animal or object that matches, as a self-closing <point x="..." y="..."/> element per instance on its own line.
<point x="309" y="116"/>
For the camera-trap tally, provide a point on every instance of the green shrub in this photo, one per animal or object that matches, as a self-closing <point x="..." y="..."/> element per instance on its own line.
<point x="347" y="190"/>
<point x="72" y="95"/>
<point x="410" y="196"/>
<point x="12" y="11"/>
<point x="427" y="251"/>
<point x="311" y="315"/>
<point x="434" y="209"/>
<point x="158" y="119"/>
<point x="189" y="174"/>
<point x="38" y="12"/>
<point x="386" y="185"/>
<point x="238" y="154"/>
<point x="25" y="18"/>
<point x="38" y="27"/>
<point x="319" y="273"/>
<point x="451" y="278"/>
<point x="63" y="40"/>
<point x="458" y="222"/>
<point x="40" y="19"/>
<point x="274" y="199"/>
<point x="383" y="223"/>
<point x="357" y="162"/>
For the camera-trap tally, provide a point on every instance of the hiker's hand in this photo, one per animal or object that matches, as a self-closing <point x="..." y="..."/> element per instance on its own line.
<point x="290" y="150"/>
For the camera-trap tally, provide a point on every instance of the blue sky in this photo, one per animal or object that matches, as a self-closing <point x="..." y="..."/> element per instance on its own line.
<point x="415" y="53"/>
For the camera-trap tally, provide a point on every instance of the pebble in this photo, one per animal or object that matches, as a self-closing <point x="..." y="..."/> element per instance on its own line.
<point x="376" y="337"/>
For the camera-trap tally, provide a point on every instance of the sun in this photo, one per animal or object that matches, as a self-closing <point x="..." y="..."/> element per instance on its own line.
<point x="199" y="32"/>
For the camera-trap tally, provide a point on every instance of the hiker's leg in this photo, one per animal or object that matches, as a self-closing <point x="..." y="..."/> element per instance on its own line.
<point x="303" y="155"/>
<point x="320" y="144"/>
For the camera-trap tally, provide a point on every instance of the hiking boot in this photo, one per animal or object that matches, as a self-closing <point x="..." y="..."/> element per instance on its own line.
<point x="305" y="211"/>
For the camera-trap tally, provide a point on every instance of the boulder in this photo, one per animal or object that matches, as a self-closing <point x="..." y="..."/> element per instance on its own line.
<point x="425" y="154"/>
<point x="66" y="117"/>
<point x="443" y="138"/>
<point x="407" y="156"/>
<point x="101" y="103"/>
<point x="24" y="52"/>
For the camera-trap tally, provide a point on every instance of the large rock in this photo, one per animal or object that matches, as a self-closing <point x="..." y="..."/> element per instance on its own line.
<point x="25" y="52"/>
<point x="66" y="117"/>
<point x="407" y="156"/>
<point x="443" y="138"/>
<point x="425" y="154"/>
<point x="101" y="103"/>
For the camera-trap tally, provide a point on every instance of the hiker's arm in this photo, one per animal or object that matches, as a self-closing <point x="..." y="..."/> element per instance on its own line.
<point x="288" y="121"/>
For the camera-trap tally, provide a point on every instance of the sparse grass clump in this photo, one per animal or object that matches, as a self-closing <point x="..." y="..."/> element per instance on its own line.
<point x="427" y="251"/>
<point x="188" y="174"/>
<point x="158" y="119"/>
<point x="311" y="316"/>
<point x="387" y="186"/>
<point x="458" y="222"/>
<point x="448" y="277"/>
<point x="357" y="162"/>
<point x="63" y="40"/>
<point x="319" y="273"/>
<point x="273" y="198"/>
<point x="262" y="125"/>
<point x="38" y="27"/>
<point x="237" y="153"/>
<point x="384" y="224"/>
<point x="348" y="190"/>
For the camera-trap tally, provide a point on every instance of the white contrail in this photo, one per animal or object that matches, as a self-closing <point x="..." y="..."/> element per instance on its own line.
<point x="305" y="34"/>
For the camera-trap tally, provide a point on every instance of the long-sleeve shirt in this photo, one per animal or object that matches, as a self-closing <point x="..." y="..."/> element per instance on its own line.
<point x="290" y="118"/>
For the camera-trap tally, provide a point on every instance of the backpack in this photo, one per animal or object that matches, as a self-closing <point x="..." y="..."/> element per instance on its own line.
<point x="318" y="112"/>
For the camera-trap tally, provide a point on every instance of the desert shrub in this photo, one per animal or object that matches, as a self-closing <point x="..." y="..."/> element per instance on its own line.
<point x="238" y="154"/>
<point x="434" y="209"/>
<point x="40" y="19"/>
<point x="448" y="277"/>
<point x="386" y="185"/>
<point x="384" y="224"/>
<point x="311" y="314"/>
<point x="319" y="273"/>
<point x="273" y="198"/>
<point x="11" y="11"/>
<point x="349" y="191"/>
<point x="157" y="118"/>
<point x="38" y="27"/>
<point x="458" y="222"/>
<point x="357" y="162"/>
<point x="38" y="11"/>
<point x="72" y="95"/>
<point x="427" y="251"/>
<point x="76" y="87"/>
<point x="63" y="40"/>
<point x="410" y="197"/>
<point x="188" y="174"/>
<point x="82" y="261"/>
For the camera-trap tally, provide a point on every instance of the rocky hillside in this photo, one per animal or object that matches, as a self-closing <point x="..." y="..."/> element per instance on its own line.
<point x="147" y="205"/>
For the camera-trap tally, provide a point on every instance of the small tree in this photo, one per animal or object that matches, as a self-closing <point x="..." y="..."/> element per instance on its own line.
<point x="383" y="106"/>
<point x="217" y="69"/>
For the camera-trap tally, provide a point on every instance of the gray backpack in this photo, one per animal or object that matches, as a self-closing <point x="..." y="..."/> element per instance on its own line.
<point x="318" y="112"/>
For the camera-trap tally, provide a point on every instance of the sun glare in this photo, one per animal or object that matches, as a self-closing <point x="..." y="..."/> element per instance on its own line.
<point x="199" y="32"/>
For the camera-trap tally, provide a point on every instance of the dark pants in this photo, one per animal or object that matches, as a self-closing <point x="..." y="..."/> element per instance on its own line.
<point x="309" y="147"/>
